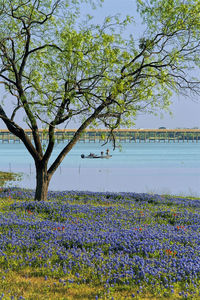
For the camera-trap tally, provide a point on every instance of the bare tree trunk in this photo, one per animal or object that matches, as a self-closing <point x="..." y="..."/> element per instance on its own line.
<point x="42" y="182"/>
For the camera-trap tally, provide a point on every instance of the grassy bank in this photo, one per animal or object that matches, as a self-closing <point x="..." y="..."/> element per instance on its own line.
<point x="99" y="246"/>
<point x="6" y="177"/>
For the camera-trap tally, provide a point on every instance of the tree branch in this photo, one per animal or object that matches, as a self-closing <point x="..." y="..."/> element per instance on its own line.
<point x="20" y="133"/>
<point x="76" y="136"/>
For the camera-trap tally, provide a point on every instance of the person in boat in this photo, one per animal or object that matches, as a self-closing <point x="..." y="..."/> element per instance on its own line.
<point x="102" y="153"/>
<point x="92" y="154"/>
<point x="107" y="152"/>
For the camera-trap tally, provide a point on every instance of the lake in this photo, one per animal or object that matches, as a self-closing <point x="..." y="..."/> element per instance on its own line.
<point x="172" y="168"/>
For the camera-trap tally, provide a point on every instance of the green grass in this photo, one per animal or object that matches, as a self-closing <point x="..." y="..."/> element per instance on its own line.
<point x="33" y="286"/>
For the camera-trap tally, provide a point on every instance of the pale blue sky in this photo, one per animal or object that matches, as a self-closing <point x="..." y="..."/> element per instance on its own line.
<point x="186" y="111"/>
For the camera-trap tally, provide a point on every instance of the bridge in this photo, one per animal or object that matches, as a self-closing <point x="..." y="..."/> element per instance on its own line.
<point x="122" y="135"/>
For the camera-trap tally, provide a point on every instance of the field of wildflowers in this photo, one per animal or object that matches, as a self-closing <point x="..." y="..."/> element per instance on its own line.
<point x="84" y="245"/>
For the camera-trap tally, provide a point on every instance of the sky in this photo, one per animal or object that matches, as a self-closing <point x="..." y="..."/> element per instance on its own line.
<point x="185" y="110"/>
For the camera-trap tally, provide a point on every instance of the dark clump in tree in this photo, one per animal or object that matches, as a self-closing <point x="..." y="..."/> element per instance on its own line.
<point x="59" y="71"/>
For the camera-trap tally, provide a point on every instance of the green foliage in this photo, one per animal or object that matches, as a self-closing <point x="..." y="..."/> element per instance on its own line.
<point x="81" y="64"/>
<point x="61" y="67"/>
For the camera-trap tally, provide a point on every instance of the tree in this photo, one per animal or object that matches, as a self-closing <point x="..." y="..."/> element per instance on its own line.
<point x="59" y="70"/>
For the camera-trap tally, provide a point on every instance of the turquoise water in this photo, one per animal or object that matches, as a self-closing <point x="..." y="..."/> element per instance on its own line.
<point x="172" y="168"/>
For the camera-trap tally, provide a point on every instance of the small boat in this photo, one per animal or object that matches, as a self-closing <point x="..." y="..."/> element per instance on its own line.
<point x="92" y="155"/>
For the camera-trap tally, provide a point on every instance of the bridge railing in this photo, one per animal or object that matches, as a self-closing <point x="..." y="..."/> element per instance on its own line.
<point x="123" y="135"/>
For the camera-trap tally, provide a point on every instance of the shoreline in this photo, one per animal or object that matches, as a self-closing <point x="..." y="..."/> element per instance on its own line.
<point x="51" y="193"/>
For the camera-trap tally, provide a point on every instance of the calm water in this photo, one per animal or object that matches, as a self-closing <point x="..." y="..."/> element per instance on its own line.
<point x="139" y="167"/>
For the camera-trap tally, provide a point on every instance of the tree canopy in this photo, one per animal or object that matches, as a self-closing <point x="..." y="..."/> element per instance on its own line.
<point x="60" y="69"/>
